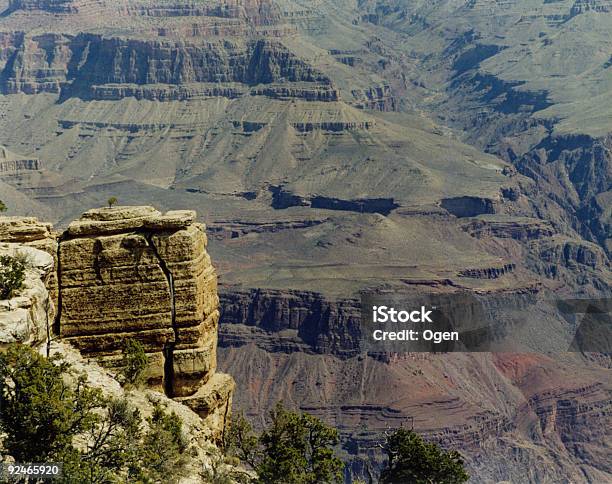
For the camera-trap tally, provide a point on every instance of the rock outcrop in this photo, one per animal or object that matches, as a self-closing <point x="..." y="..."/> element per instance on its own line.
<point x="27" y="317"/>
<point x="30" y="232"/>
<point x="131" y="272"/>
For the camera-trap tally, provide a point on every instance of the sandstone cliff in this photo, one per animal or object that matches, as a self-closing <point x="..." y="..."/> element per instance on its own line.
<point x="131" y="272"/>
<point x="27" y="319"/>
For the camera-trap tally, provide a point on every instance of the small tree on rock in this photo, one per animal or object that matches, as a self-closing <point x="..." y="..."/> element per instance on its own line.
<point x="297" y="448"/>
<point x="12" y="274"/>
<point x="136" y="362"/>
<point x="112" y="201"/>
<point x="411" y="459"/>
<point x="2" y="206"/>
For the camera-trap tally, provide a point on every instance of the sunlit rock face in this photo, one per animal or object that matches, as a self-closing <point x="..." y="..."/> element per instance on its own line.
<point x="28" y="314"/>
<point x="126" y="273"/>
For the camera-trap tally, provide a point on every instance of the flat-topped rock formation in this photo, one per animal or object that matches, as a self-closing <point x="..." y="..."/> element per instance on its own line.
<point x="133" y="272"/>
<point x="26" y="230"/>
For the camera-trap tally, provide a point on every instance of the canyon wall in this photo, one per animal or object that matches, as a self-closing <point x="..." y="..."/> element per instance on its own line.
<point x="513" y="417"/>
<point x="79" y="64"/>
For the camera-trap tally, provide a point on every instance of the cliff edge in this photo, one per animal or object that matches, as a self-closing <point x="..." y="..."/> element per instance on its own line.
<point x="133" y="272"/>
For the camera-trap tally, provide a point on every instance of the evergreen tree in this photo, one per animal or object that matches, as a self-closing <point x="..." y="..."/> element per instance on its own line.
<point x="297" y="448"/>
<point x="49" y="414"/>
<point x="40" y="411"/>
<point x="12" y="274"/>
<point x="135" y="363"/>
<point x="412" y="460"/>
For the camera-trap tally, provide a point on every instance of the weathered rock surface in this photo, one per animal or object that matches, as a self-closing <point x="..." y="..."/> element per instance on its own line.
<point x="131" y="272"/>
<point x="23" y="230"/>
<point x="522" y="229"/>
<point x="126" y="272"/>
<point x="30" y="232"/>
<point x="198" y="434"/>
<point x="27" y="317"/>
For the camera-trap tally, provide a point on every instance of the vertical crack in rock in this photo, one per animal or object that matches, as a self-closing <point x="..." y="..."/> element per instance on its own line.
<point x="48" y="325"/>
<point x="168" y="353"/>
<point x="96" y="266"/>
<point x="58" y="271"/>
<point x="168" y="347"/>
<point x="135" y="272"/>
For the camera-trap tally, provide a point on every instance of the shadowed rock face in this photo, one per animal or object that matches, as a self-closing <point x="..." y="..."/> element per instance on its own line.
<point x="79" y="64"/>
<point x="131" y="272"/>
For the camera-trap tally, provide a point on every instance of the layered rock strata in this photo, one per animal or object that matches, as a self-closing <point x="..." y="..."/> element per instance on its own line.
<point x="133" y="272"/>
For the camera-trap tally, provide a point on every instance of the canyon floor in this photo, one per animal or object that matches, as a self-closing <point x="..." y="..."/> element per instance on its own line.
<point x="333" y="147"/>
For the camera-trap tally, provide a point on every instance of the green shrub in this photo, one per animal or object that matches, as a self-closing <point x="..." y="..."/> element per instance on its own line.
<point x="46" y="408"/>
<point x="297" y="448"/>
<point x="112" y="201"/>
<point x="411" y="459"/>
<point x="162" y="452"/>
<point x="2" y="206"/>
<point x="136" y="362"/>
<point x="12" y="274"/>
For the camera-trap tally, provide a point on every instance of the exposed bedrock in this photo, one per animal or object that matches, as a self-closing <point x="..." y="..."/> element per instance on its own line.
<point x="256" y="12"/>
<point x="575" y="172"/>
<point x="289" y="321"/>
<point x="133" y="272"/>
<point x="521" y="229"/>
<point x="289" y="345"/>
<point x="571" y="252"/>
<point x="323" y="93"/>
<point x="27" y="316"/>
<point x="379" y="98"/>
<point x="164" y="93"/>
<point x="307" y="321"/>
<point x="80" y="64"/>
